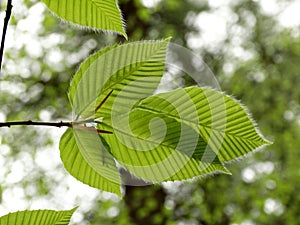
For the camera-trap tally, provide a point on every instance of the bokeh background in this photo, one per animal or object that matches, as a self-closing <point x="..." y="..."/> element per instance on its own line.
<point x="252" y="47"/>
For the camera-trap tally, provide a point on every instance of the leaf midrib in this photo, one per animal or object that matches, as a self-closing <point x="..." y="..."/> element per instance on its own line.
<point x="196" y="127"/>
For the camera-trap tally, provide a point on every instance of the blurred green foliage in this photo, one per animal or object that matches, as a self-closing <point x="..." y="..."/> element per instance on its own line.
<point x="257" y="62"/>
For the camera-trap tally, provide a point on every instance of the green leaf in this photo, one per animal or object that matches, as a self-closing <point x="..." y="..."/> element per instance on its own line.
<point x="223" y="122"/>
<point x="85" y="157"/>
<point x="98" y="14"/>
<point x="34" y="217"/>
<point x="139" y="65"/>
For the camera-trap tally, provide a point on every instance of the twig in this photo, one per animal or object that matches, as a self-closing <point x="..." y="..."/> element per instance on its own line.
<point x="6" y="20"/>
<point x="32" y="123"/>
<point x="53" y="124"/>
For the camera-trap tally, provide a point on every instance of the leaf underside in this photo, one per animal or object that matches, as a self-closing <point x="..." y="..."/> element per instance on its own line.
<point x="140" y="64"/>
<point x="223" y="123"/>
<point x="77" y="166"/>
<point x="97" y="14"/>
<point x="34" y="217"/>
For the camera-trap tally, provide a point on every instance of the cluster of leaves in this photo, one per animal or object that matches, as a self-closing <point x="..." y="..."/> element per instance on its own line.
<point x="112" y="96"/>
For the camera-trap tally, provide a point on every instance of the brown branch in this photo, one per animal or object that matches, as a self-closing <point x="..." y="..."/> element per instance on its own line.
<point x="32" y="123"/>
<point x="6" y="20"/>
<point x="53" y="124"/>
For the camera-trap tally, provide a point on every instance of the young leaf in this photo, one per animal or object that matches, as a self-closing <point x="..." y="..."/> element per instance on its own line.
<point x="223" y="122"/>
<point x="86" y="158"/>
<point x="34" y="217"/>
<point x="98" y="14"/>
<point x="114" y="68"/>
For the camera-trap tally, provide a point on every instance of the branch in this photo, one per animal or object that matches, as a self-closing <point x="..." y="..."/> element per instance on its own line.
<point x="54" y="124"/>
<point x="6" y="20"/>
<point x="32" y="123"/>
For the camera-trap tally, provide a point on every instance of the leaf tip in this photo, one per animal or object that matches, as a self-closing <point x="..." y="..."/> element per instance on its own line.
<point x="74" y="209"/>
<point x="268" y="142"/>
<point x="168" y="39"/>
<point x="125" y="35"/>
